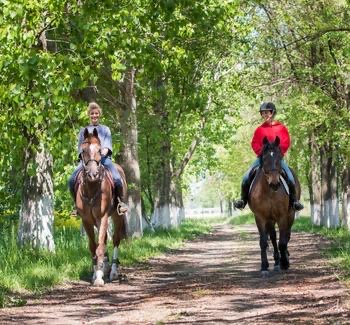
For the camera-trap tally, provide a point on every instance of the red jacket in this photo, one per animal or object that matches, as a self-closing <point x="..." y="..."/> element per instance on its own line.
<point x="271" y="131"/>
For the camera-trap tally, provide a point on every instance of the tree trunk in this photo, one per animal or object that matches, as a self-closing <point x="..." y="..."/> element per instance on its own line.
<point x="128" y="156"/>
<point x="36" y="214"/>
<point x="324" y="186"/>
<point x="315" y="182"/>
<point x="333" y="186"/>
<point x="330" y="208"/>
<point x="229" y="208"/>
<point x="162" y="211"/>
<point x="168" y="205"/>
<point x="346" y="198"/>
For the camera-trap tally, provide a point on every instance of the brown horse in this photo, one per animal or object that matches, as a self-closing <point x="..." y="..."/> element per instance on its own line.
<point x="94" y="201"/>
<point x="270" y="204"/>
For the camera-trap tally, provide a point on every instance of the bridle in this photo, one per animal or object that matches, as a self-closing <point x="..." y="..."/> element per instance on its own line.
<point x="101" y="173"/>
<point x="267" y="174"/>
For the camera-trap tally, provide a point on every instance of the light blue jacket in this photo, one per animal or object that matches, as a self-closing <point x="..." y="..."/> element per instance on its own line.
<point x="104" y="133"/>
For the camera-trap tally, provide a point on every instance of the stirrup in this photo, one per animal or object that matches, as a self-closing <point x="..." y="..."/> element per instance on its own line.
<point x="297" y="206"/>
<point x="121" y="206"/>
<point x="239" y="204"/>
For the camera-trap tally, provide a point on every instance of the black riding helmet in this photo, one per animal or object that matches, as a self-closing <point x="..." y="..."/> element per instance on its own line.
<point x="268" y="107"/>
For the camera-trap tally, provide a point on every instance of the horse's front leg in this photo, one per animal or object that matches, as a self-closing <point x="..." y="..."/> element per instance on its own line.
<point x="100" y="251"/>
<point x="263" y="248"/>
<point x="276" y="254"/>
<point x="89" y="229"/>
<point x="282" y="245"/>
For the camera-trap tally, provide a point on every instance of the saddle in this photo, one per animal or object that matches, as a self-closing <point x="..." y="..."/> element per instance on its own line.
<point x="283" y="178"/>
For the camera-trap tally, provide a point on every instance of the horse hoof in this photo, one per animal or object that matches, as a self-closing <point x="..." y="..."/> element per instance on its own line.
<point x="122" y="278"/>
<point x="264" y="274"/>
<point x="106" y="268"/>
<point x="114" y="276"/>
<point x="99" y="283"/>
<point x="277" y="268"/>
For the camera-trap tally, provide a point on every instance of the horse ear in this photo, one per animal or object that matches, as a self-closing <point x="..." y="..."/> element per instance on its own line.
<point x="95" y="133"/>
<point x="86" y="133"/>
<point x="265" y="141"/>
<point x="277" y="141"/>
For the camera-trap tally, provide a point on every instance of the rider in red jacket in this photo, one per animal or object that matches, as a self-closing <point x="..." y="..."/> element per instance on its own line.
<point x="269" y="129"/>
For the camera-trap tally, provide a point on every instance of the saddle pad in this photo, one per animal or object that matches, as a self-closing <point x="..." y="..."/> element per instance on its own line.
<point x="285" y="185"/>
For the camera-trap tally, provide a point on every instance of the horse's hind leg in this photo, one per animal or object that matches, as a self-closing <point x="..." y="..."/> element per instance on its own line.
<point x="263" y="247"/>
<point x="276" y="254"/>
<point x="118" y="235"/>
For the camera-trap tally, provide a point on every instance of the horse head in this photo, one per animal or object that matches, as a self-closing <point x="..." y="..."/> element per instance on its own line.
<point x="91" y="155"/>
<point x="271" y="162"/>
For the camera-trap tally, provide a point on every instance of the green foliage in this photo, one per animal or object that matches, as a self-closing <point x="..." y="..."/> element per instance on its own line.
<point x="243" y="219"/>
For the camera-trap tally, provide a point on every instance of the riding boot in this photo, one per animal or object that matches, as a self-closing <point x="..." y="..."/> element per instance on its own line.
<point x="119" y="200"/>
<point x="294" y="202"/>
<point x="240" y="204"/>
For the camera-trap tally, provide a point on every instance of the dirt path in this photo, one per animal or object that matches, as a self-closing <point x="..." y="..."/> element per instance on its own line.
<point x="213" y="280"/>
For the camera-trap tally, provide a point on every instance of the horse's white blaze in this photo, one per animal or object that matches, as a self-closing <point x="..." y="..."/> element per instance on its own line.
<point x="94" y="147"/>
<point x="271" y="153"/>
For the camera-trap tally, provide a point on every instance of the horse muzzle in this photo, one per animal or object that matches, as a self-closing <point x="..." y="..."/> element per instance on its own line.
<point x="93" y="176"/>
<point x="273" y="179"/>
<point x="275" y="186"/>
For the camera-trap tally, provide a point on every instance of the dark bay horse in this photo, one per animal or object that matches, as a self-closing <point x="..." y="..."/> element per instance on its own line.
<point x="270" y="204"/>
<point x="94" y="201"/>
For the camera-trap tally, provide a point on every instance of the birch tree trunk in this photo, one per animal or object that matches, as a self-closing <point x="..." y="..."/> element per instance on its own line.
<point x="330" y="207"/>
<point x="333" y="185"/>
<point x="128" y="156"/>
<point x="36" y="214"/>
<point x="346" y="198"/>
<point x="315" y="182"/>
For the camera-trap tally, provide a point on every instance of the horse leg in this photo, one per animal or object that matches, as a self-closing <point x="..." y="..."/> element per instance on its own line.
<point x="263" y="247"/>
<point x="89" y="229"/>
<point x="282" y="245"/>
<point x="106" y="265"/>
<point x="100" y="251"/>
<point x="119" y="233"/>
<point x="276" y="254"/>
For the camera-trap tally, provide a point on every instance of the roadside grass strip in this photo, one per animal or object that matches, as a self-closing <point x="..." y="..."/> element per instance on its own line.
<point x="27" y="271"/>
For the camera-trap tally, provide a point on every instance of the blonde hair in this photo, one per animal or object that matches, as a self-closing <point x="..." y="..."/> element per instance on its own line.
<point x="92" y="106"/>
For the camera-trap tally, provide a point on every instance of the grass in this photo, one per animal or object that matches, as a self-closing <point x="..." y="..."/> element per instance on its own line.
<point x="30" y="271"/>
<point x="242" y="219"/>
<point x="339" y="251"/>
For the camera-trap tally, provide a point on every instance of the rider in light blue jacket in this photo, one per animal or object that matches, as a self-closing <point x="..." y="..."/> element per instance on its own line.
<point x="104" y="134"/>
